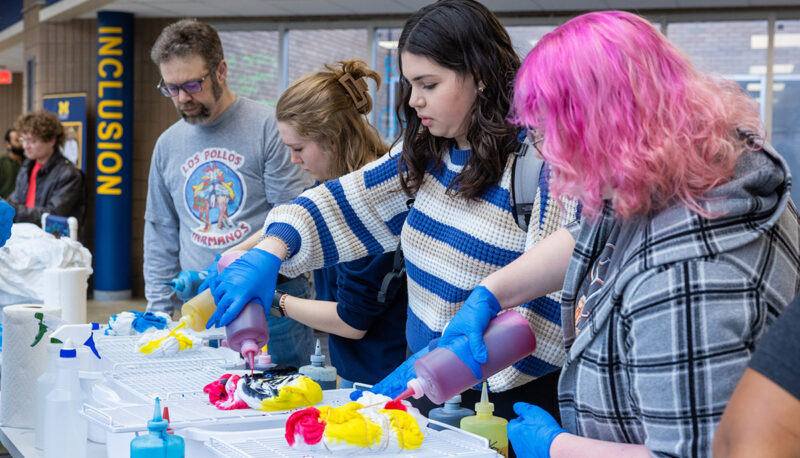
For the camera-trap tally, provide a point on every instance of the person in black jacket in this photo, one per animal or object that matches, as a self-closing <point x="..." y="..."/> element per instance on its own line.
<point x="47" y="181"/>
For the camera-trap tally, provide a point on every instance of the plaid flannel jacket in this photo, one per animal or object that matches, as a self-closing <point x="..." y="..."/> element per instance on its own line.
<point x="675" y="324"/>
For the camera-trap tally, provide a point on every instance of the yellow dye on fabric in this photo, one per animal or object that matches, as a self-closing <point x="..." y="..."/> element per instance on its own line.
<point x="346" y="424"/>
<point x="183" y="341"/>
<point x="405" y="427"/>
<point x="303" y="392"/>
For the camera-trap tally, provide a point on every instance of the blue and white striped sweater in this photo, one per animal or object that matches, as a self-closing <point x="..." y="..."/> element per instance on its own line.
<point x="450" y="245"/>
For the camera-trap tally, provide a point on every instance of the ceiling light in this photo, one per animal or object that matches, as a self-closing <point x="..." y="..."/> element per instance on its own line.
<point x="756" y="87"/>
<point x="782" y="40"/>
<point x="777" y="69"/>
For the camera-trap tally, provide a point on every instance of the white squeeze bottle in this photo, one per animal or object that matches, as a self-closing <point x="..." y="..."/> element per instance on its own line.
<point x="44" y="384"/>
<point x="65" y="429"/>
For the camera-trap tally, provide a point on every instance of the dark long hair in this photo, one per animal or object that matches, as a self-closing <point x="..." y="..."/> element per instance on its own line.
<point x="463" y="36"/>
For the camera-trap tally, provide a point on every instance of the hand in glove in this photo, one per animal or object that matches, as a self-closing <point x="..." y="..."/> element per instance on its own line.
<point x="397" y="381"/>
<point x="471" y="321"/>
<point x="251" y="278"/>
<point x="532" y="433"/>
<point x="6" y="221"/>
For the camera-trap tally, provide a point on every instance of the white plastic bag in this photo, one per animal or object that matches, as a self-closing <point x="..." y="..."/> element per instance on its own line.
<point x="26" y="255"/>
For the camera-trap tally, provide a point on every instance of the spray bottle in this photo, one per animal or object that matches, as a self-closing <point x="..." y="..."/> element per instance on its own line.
<point x="75" y="332"/>
<point x="64" y="428"/>
<point x="487" y="425"/>
<point x="441" y="374"/>
<point x="248" y="332"/>
<point x="157" y="442"/>
<point x="186" y="283"/>
<point x="44" y="384"/>
<point x="325" y="376"/>
<point x="451" y="414"/>
<point x="88" y="357"/>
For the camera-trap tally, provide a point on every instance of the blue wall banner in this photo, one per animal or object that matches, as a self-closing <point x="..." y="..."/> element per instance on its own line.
<point x="71" y="111"/>
<point x="113" y="157"/>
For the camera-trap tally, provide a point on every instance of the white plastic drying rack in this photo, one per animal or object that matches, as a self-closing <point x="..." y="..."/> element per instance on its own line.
<point x="143" y="378"/>
<point x="255" y="433"/>
<point x="190" y="411"/>
<point x="269" y="443"/>
<point x="122" y="351"/>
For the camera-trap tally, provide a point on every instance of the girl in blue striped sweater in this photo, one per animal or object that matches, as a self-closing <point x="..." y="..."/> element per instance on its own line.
<point x="456" y="163"/>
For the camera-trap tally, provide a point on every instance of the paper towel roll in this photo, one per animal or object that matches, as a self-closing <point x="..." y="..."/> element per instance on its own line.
<point x="22" y="364"/>
<point x="66" y="288"/>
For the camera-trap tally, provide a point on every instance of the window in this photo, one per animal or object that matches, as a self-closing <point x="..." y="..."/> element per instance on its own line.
<point x="386" y="97"/>
<point x="525" y="38"/>
<point x="253" y="67"/>
<point x="309" y="50"/>
<point x="785" y="135"/>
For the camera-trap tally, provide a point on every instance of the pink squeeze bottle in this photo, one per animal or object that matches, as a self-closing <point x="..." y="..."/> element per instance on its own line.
<point x="248" y="332"/>
<point x="442" y="375"/>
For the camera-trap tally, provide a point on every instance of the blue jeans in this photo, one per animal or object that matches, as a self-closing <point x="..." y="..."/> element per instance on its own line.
<point x="291" y="342"/>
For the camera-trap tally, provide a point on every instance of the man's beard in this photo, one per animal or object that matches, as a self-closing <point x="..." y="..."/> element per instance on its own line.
<point x="205" y="111"/>
<point x="198" y="118"/>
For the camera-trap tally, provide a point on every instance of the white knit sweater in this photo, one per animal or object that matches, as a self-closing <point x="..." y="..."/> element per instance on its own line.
<point x="450" y="245"/>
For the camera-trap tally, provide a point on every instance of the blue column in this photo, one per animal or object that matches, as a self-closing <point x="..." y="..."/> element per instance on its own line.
<point x="113" y="156"/>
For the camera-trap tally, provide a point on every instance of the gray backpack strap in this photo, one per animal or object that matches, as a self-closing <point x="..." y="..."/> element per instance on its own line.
<point x="524" y="183"/>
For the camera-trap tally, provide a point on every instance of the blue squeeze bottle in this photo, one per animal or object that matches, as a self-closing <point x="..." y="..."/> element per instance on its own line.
<point x="157" y="442"/>
<point x="186" y="284"/>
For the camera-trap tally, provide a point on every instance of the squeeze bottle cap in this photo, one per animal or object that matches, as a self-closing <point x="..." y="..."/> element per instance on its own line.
<point x="415" y="385"/>
<point x="165" y="416"/>
<point x="317" y="359"/>
<point x="68" y="350"/>
<point x="188" y="319"/>
<point x="484" y="406"/>
<point x="263" y="358"/>
<point x="157" y="423"/>
<point x="249" y="351"/>
<point x="453" y="403"/>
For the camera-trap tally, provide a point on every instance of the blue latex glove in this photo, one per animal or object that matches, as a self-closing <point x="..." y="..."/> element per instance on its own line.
<point x="532" y="433"/>
<point x="251" y="278"/>
<point x="471" y="321"/>
<point x="6" y="220"/>
<point x="396" y="382"/>
<point x="211" y="274"/>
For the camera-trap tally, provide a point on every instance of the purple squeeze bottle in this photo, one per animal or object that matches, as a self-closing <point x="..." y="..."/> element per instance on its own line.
<point x="442" y="375"/>
<point x="248" y="332"/>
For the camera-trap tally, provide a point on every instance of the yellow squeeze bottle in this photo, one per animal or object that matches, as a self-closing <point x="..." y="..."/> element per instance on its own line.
<point x="484" y="424"/>
<point x="196" y="312"/>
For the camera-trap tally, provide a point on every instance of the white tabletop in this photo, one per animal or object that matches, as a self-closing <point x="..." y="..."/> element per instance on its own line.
<point x="21" y="443"/>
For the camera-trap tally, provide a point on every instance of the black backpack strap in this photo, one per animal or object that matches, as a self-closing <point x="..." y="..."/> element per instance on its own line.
<point x="398" y="267"/>
<point x="524" y="183"/>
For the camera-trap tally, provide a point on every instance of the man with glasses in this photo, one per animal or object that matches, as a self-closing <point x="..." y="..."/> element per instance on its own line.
<point x="47" y="182"/>
<point x="214" y="175"/>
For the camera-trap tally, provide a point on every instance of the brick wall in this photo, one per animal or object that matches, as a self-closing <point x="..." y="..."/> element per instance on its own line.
<point x="11" y="105"/>
<point x="152" y="114"/>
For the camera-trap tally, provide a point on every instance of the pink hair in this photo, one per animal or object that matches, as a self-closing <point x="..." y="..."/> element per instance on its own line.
<point x="623" y="109"/>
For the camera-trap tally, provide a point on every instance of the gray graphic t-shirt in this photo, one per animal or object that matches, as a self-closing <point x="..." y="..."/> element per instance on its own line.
<point x="210" y="187"/>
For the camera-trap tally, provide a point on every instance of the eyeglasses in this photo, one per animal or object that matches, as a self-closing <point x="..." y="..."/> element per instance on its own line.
<point x="536" y="137"/>
<point x="190" y="87"/>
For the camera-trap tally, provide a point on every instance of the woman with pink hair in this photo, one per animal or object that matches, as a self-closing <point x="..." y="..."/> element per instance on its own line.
<point x="688" y="248"/>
